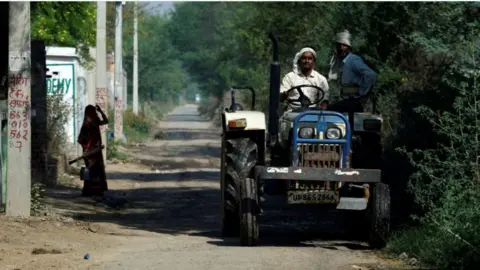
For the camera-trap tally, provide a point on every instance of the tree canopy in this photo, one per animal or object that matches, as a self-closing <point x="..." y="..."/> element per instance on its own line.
<point x="68" y="24"/>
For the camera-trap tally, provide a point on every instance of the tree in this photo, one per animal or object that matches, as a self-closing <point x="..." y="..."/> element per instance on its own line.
<point x="161" y="77"/>
<point x="69" y="24"/>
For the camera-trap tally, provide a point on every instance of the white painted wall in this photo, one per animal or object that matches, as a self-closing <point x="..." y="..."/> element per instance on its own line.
<point x="71" y="82"/>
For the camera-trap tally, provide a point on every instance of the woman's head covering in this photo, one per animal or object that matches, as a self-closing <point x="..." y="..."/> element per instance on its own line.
<point x="91" y="113"/>
<point x="90" y="130"/>
<point x="299" y="54"/>
<point x="344" y="38"/>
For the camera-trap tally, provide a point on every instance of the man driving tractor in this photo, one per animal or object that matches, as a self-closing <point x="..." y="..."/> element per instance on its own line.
<point x="356" y="77"/>
<point x="303" y="73"/>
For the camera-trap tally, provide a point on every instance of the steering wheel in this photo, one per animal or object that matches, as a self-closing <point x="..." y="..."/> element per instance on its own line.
<point x="303" y="101"/>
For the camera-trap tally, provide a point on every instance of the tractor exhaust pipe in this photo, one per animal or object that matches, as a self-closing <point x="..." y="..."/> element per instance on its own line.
<point x="274" y="100"/>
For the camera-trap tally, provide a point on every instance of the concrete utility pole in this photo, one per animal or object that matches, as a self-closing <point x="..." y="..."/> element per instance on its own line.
<point x="91" y="80"/>
<point x="118" y="73"/>
<point x="101" y="93"/>
<point x="19" y="116"/>
<point x="135" y="60"/>
<point x="125" y="92"/>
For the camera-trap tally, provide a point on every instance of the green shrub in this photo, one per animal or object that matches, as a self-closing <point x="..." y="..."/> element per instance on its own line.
<point x="113" y="152"/>
<point x="136" y="127"/>
<point x="37" y="194"/>
<point x="446" y="182"/>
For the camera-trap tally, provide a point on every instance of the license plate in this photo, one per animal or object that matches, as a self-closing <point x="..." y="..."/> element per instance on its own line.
<point x="312" y="197"/>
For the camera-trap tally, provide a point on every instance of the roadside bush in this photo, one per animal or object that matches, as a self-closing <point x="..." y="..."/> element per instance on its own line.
<point x="113" y="152"/>
<point x="135" y="124"/>
<point x="58" y="113"/>
<point x="446" y="182"/>
<point x="37" y="194"/>
<point x="135" y="127"/>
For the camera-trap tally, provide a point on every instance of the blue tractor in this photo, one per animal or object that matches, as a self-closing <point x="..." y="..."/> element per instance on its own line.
<point x="308" y="156"/>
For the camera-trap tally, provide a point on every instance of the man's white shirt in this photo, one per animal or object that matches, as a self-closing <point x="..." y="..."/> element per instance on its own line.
<point x="295" y="78"/>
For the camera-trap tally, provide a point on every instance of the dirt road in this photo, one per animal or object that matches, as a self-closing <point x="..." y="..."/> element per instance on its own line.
<point x="166" y="216"/>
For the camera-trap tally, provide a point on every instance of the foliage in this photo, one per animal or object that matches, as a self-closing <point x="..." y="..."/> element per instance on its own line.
<point x="161" y="78"/>
<point x="113" y="152"/>
<point x="68" y="24"/>
<point x="128" y="14"/>
<point x="446" y="180"/>
<point x="136" y="127"/>
<point x="37" y="194"/>
<point x="58" y="114"/>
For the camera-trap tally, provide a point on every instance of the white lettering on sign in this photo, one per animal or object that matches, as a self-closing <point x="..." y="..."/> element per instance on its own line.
<point x="298" y="171"/>
<point x="277" y="170"/>
<point x="338" y="172"/>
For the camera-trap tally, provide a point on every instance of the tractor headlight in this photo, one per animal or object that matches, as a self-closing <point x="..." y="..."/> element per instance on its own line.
<point x="333" y="133"/>
<point x="306" y="133"/>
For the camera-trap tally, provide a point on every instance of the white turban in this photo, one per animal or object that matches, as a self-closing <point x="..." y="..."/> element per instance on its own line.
<point x="299" y="55"/>
<point x="343" y="38"/>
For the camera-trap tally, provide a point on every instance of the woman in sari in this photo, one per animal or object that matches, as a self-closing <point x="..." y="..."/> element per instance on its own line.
<point x="91" y="140"/>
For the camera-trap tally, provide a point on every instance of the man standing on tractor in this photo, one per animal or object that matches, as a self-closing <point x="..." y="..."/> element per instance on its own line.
<point x="304" y="73"/>
<point x="356" y="77"/>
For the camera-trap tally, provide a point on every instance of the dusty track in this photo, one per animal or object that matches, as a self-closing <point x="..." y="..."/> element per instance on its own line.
<point x="169" y="218"/>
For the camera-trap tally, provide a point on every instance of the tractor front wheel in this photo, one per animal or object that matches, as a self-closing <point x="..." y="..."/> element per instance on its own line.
<point x="379" y="215"/>
<point x="240" y="159"/>
<point x="249" y="228"/>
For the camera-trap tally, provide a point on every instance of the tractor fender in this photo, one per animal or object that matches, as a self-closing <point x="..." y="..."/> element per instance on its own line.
<point x="254" y="120"/>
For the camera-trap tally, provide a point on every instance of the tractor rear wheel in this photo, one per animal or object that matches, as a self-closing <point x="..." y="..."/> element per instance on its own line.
<point x="379" y="215"/>
<point x="249" y="228"/>
<point x="241" y="158"/>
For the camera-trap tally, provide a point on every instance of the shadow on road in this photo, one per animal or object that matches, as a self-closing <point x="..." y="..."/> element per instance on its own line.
<point x="290" y="238"/>
<point x="212" y="176"/>
<point x="171" y="135"/>
<point x="193" y="211"/>
<point x="173" y="164"/>
<point x="188" y="202"/>
<point x="187" y="118"/>
<point x="190" y="152"/>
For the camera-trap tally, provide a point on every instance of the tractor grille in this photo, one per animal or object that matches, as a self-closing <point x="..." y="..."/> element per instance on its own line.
<point x="318" y="156"/>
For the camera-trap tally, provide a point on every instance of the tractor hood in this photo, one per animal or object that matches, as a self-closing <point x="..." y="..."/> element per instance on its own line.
<point x="290" y="116"/>
<point x="359" y="119"/>
<point x="309" y="120"/>
<point x="313" y="121"/>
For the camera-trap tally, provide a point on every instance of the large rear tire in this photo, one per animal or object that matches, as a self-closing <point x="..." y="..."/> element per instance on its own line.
<point x="379" y="216"/>
<point x="241" y="157"/>
<point x="249" y="228"/>
<point x="230" y="223"/>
